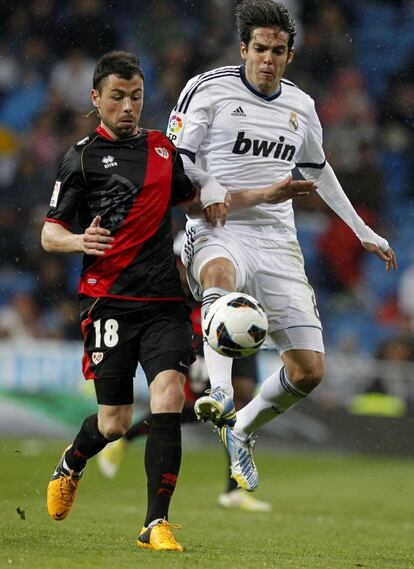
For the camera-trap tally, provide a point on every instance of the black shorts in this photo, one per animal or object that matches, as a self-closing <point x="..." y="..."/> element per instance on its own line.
<point x="118" y="335"/>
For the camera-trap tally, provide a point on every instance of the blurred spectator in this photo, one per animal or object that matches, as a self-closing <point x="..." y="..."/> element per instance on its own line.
<point x="406" y="295"/>
<point x="341" y="255"/>
<point x="22" y="104"/>
<point x="87" y="24"/>
<point x="349" y="116"/>
<point x="70" y="80"/>
<point x="20" y="319"/>
<point x="364" y="184"/>
<point x="9" y="70"/>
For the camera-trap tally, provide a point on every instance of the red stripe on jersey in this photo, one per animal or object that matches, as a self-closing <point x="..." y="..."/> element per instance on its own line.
<point x="100" y="130"/>
<point x="58" y="221"/>
<point x="141" y="223"/>
<point x="86" y="360"/>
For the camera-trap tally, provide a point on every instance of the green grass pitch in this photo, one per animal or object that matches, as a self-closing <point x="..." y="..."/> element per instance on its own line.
<point x="329" y="512"/>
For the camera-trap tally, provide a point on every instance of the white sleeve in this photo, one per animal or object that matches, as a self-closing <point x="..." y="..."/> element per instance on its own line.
<point x="188" y="126"/>
<point x="332" y="193"/>
<point x="311" y="152"/>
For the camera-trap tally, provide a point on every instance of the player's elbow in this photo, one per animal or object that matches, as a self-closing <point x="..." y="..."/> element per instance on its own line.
<point x="44" y="240"/>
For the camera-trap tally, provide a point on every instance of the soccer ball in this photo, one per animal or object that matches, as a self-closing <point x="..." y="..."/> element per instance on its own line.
<point x="235" y="325"/>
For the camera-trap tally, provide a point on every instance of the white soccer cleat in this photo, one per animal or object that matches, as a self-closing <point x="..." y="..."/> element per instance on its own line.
<point x="242" y="466"/>
<point x="110" y="458"/>
<point x="240" y="500"/>
<point x="217" y="407"/>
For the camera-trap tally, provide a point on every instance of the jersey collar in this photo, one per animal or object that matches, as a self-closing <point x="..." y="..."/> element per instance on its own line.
<point x="254" y="91"/>
<point x="100" y="130"/>
<point x="105" y="134"/>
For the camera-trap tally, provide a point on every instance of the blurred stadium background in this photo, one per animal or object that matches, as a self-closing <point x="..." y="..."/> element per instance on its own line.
<point x="355" y="59"/>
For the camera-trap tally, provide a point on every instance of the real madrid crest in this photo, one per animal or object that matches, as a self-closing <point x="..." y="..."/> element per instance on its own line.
<point x="293" y="121"/>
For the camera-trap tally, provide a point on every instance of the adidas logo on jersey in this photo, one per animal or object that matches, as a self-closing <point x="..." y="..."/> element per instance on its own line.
<point x="238" y="112"/>
<point x="109" y="161"/>
<point x="278" y="150"/>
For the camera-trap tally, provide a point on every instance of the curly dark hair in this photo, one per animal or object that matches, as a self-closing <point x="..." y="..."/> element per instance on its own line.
<point x="120" y="63"/>
<point x="251" y="14"/>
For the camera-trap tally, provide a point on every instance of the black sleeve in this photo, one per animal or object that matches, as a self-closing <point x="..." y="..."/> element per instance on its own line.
<point x="182" y="189"/>
<point x="68" y="191"/>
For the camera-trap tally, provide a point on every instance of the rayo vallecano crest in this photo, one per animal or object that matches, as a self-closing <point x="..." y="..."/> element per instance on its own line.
<point x="97" y="357"/>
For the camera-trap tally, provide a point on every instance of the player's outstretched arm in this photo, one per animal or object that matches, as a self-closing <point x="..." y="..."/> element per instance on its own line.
<point x="275" y="193"/>
<point x="241" y="199"/>
<point x="332" y="193"/>
<point x="95" y="241"/>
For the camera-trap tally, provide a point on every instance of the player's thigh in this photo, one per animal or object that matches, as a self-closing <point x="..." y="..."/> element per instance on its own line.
<point x="297" y="339"/>
<point x="110" y="356"/>
<point x="202" y="246"/>
<point x="281" y="286"/>
<point x="166" y="341"/>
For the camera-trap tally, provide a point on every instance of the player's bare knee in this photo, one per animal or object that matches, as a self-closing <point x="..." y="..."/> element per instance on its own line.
<point x="115" y="427"/>
<point x="170" y="400"/>
<point x="307" y="378"/>
<point x="114" y="431"/>
<point x="219" y="273"/>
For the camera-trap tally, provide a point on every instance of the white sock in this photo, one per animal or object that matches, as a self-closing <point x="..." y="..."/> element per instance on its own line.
<point x="219" y="369"/>
<point x="276" y="394"/>
<point x="209" y="296"/>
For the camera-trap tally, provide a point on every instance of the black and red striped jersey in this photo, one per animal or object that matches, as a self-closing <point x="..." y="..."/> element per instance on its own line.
<point x="132" y="184"/>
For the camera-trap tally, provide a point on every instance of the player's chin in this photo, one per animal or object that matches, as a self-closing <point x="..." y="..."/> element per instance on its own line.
<point x="126" y="128"/>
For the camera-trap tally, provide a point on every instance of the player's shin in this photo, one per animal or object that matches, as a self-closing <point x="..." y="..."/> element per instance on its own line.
<point x="88" y="442"/>
<point x="162" y="463"/>
<point x="275" y="396"/>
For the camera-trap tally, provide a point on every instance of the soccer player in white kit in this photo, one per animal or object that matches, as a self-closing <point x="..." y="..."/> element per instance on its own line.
<point x="240" y="127"/>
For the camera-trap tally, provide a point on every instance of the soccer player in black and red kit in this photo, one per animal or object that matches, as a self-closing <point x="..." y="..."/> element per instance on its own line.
<point x="119" y="183"/>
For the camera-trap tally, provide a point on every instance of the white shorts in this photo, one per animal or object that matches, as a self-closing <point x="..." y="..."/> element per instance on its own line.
<point x="268" y="268"/>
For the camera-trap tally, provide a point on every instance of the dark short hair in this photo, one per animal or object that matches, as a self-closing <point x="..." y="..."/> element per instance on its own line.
<point x="251" y="14"/>
<point x="120" y="63"/>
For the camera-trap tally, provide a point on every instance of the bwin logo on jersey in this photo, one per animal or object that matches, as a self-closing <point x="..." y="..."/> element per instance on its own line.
<point x="278" y="150"/>
<point x="109" y="161"/>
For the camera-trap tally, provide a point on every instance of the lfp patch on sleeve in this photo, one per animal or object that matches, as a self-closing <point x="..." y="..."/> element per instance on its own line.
<point x="175" y="127"/>
<point x="55" y="194"/>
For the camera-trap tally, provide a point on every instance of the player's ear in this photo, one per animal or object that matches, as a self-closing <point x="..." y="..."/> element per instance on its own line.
<point x="291" y="55"/>
<point x="96" y="98"/>
<point x="243" y="51"/>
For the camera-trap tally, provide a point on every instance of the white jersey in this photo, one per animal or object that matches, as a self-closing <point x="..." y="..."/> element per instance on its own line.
<point x="247" y="140"/>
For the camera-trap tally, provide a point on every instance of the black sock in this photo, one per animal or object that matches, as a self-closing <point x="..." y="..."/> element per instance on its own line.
<point x="162" y="463"/>
<point x="188" y="414"/>
<point x="232" y="485"/>
<point x="138" y="429"/>
<point x="88" y="442"/>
